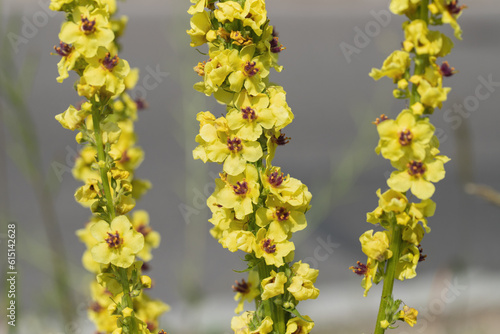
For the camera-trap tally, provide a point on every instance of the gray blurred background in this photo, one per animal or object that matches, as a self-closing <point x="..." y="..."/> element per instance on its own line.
<point x="332" y="151"/>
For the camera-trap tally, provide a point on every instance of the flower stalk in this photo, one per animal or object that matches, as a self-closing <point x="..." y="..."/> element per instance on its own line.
<point x="409" y="143"/>
<point x="256" y="208"/>
<point x="118" y="241"/>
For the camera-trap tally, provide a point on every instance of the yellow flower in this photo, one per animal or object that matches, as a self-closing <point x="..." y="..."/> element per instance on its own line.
<point x="107" y="72"/>
<point x="407" y="264"/>
<point x="149" y="310"/>
<point x="248" y="71"/>
<point x="407" y="7"/>
<point x="419" y="38"/>
<point x="234" y="152"/>
<point x="376" y="246"/>
<point x="251" y="116"/>
<point x="228" y="11"/>
<point x="408" y="315"/>
<point x="72" y="118"/>
<point x="384" y="324"/>
<point x="404" y="136"/>
<point x="298" y="326"/>
<point x="265" y="327"/>
<point x="287" y="189"/>
<point x="392" y="201"/>
<point x="246" y="291"/>
<point x="57" y="5"/>
<point x="200" y="26"/>
<point x="199" y="6"/>
<point x="88" y="31"/>
<point x="140" y="222"/>
<point x="240" y="192"/>
<point x="240" y="324"/>
<point x="450" y="13"/>
<point x="420" y="211"/>
<point x="235" y="240"/>
<point x="283" y="219"/>
<point x="272" y="251"/>
<point x="277" y="103"/>
<point x="394" y="66"/>
<point x="417" y="175"/>
<point x="302" y="288"/>
<point x="98" y="309"/>
<point x="118" y="242"/>
<point x="87" y="194"/>
<point x="85" y="89"/>
<point x="69" y="56"/>
<point x="273" y="285"/>
<point x="413" y="234"/>
<point x="432" y="96"/>
<point x="216" y="70"/>
<point x="303" y="270"/>
<point x="254" y="15"/>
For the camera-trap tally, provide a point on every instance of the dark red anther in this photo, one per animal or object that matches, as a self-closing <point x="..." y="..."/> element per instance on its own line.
<point x="240" y="188"/>
<point x="282" y="214"/>
<point x="416" y="168"/>
<point x="361" y="269"/>
<point x="110" y="62"/>
<point x="114" y="240"/>
<point x="268" y="247"/>
<point x="249" y="113"/>
<point x="275" y="179"/>
<point x="250" y="69"/>
<point x="234" y="145"/>
<point x="87" y="25"/>
<point x="63" y="49"/>
<point x="241" y="287"/>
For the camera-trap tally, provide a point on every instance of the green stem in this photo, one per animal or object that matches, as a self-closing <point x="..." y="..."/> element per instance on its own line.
<point x="390" y="273"/>
<point x="264" y="273"/>
<point x="101" y="156"/>
<point x="272" y="310"/>
<point x="280" y="321"/>
<point x="133" y="328"/>
<point x="421" y="61"/>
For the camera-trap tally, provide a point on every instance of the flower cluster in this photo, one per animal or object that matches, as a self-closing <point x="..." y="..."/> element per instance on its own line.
<point x="409" y="143"/>
<point x="115" y="237"/>
<point x="255" y="207"/>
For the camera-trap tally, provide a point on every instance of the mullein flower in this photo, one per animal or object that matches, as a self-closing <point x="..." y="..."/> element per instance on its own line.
<point x="88" y="30"/>
<point x="273" y="285"/>
<point x="106" y="165"/>
<point x="255" y="207"/>
<point x="299" y="326"/>
<point x="409" y="143"/>
<point x="246" y="291"/>
<point x="107" y="71"/>
<point x="404" y="136"/>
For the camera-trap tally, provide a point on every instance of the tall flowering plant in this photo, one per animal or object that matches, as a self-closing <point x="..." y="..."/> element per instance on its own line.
<point x="409" y="143"/>
<point x="115" y="237"/>
<point x="256" y="208"/>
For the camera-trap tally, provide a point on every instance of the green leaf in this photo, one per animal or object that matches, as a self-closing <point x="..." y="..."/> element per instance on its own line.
<point x="296" y="313"/>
